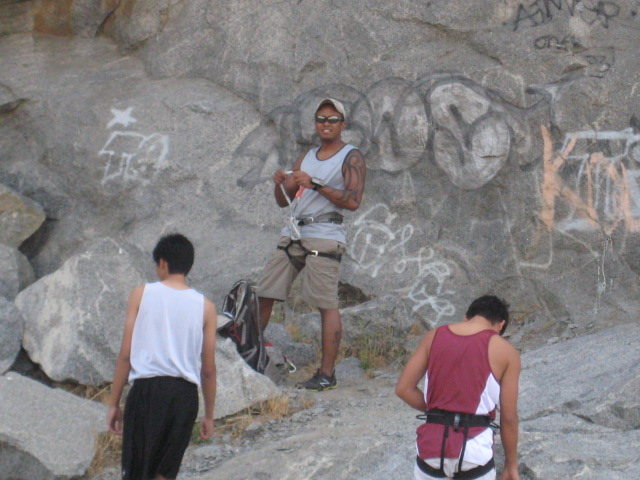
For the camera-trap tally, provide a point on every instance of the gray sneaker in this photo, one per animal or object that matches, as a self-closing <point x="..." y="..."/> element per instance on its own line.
<point x="319" y="382"/>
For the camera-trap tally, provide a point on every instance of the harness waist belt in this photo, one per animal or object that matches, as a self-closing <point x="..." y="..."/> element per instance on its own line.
<point x="467" y="474"/>
<point x="299" y="261"/>
<point x="454" y="419"/>
<point x="328" y="217"/>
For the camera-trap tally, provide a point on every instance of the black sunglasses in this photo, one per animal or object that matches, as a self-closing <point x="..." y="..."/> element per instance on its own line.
<point x="331" y="119"/>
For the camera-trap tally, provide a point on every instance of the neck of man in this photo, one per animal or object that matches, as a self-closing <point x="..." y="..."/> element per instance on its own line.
<point x="331" y="145"/>
<point x="483" y="322"/>
<point x="176" y="280"/>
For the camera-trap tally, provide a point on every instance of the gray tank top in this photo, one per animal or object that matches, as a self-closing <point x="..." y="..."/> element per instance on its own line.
<point x="311" y="203"/>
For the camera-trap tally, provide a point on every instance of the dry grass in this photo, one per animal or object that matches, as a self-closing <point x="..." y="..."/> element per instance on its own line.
<point x="274" y="408"/>
<point x="109" y="446"/>
<point x="296" y="334"/>
<point x="376" y="350"/>
<point x="88" y="392"/>
<point x="107" y="453"/>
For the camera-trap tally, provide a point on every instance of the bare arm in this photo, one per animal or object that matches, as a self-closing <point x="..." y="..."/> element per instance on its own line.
<point x="123" y="363"/>
<point x="208" y="373"/>
<point x="407" y="385"/>
<point x="509" y="414"/>
<point x="279" y="177"/>
<point x="354" y="171"/>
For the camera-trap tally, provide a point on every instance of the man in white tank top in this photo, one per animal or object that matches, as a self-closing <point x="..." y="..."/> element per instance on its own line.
<point x="167" y="352"/>
<point x="324" y="183"/>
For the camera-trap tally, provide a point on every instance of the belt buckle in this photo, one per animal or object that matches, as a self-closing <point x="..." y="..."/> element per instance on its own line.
<point x="456" y="421"/>
<point x="314" y="253"/>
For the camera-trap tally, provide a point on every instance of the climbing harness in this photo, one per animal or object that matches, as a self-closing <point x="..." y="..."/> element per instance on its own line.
<point x="456" y="421"/>
<point x="299" y="260"/>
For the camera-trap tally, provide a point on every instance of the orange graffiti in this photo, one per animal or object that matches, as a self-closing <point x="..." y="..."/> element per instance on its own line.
<point x="602" y="197"/>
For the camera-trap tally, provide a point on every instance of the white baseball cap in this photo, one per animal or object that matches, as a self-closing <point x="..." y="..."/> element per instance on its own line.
<point x="335" y="104"/>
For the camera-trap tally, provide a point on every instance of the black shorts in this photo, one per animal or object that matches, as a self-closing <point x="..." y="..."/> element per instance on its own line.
<point x="158" y="420"/>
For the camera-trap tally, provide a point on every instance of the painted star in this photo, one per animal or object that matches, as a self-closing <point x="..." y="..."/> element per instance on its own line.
<point x="122" y="117"/>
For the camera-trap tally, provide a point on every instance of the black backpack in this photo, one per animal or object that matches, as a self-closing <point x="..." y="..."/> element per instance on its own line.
<point x="244" y="328"/>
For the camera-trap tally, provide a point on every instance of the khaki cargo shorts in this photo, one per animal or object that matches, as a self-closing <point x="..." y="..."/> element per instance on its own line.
<point x="319" y="277"/>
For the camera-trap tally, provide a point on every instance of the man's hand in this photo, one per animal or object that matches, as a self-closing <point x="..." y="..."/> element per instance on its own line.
<point x="114" y="420"/>
<point x="302" y="179"/>
<point x="279" y="176"/>
<point x="510" y="473"/>
<point x="206" y="428"/>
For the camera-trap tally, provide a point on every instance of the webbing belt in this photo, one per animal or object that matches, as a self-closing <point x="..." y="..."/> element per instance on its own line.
<point x="455" y="420"/>
<point x="467" y="474"/>
<point x="299" y="261"/>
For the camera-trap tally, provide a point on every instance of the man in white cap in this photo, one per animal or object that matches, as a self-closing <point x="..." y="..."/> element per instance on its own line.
<point x="322" y="184"/>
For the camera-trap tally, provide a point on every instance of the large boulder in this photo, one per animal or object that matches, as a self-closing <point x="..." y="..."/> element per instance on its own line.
<point x="381" y="316"/>
<point x="238" y="385"/>
<point x="572" y="448"/>
<point x="579" y="405"/>
<point x="45" y="432"/>
<point x="596" y="377"/>
<point x="20" y="217"/>
<point x="74" y="317"/>
<point x="11" y="328"/>
<point x="17" y="271"/>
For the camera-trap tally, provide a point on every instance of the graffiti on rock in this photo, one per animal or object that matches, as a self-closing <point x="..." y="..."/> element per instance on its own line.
<point x="539" y="12"/>
<point x="598" y="61"/>
<point x="131" y="156"/>
<point x="380" y="247"/>
<point x="465" y="129"/>
<point x="593" y="183"/>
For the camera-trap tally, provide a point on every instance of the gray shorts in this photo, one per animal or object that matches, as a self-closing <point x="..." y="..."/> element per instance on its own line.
<point x="319" y="276"/>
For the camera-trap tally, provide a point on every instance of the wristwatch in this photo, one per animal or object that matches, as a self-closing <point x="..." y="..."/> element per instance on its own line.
<point x="317" y="183"/>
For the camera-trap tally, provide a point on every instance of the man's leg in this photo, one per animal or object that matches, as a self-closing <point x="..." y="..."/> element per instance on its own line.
<point x="331" y="335"/>
<point x="266" y="306"/>
<point x="276" y="280"/>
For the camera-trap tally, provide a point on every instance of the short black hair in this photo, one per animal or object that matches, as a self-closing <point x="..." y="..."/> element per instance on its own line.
<point x="492" y="308"/>
<point x="177" y="251"/>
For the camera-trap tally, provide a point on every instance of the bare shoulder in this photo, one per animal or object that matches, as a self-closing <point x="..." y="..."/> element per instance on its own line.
<point x="427" y="340"/>
<point x="503" y="357"/>
<point x="298" y="162"/>
<point x="354" y="157"/>
<point x="502" y="346"/>
<point x="209" y="306"/>
<point x="136" y="295"/>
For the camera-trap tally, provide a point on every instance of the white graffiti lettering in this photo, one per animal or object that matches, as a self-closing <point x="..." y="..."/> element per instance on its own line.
<point x="132" y="156"/>
<point x="381" y="248"/>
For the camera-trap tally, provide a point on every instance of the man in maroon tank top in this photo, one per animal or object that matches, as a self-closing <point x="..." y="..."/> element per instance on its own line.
<point x="469" y="371"/>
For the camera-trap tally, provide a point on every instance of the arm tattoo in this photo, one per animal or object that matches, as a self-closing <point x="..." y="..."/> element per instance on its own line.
<point x="353" y="171"/>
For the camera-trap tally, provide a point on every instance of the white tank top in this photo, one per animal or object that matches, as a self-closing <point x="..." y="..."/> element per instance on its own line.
<point x="168" y="333"/>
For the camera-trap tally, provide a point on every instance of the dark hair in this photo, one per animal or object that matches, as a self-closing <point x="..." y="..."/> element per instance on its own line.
<point x="177" y="251"/>
<point x="492" y="308"/>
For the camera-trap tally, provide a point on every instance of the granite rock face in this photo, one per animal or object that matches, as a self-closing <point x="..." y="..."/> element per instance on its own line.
<point x="579" y="407"/>
<point x="36" y="444"/>
<point x="501" y="140"/>
<point x="11" y="329"/>
<point x="75" y="316"/>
